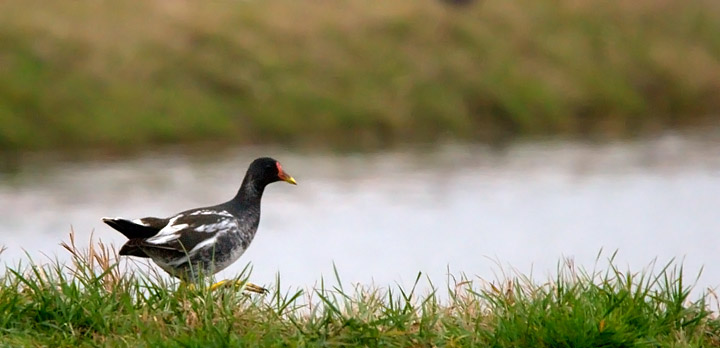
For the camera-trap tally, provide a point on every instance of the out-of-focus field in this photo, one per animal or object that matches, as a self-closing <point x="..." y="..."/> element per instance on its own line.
<point x="127" y="74"/>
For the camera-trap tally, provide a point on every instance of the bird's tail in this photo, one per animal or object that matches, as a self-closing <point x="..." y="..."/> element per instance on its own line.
<point x="130" y="229"/>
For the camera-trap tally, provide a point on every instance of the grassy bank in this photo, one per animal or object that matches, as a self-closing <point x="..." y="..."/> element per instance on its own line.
<point x="134" y="73"/>
<point x="95" y="302"/>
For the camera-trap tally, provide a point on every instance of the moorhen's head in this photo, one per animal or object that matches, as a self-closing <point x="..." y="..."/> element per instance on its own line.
<point x="265" y="170"/>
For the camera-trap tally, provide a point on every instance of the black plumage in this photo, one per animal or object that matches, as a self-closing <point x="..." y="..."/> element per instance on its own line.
<point x="203" y="240"/>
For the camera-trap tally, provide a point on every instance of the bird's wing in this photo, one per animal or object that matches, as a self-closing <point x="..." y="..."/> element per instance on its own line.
<point x="188" y="232"/>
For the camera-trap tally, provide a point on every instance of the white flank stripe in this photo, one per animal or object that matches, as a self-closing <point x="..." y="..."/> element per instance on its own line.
<point x="202" y="244"/>
<point x="178" y="261"/>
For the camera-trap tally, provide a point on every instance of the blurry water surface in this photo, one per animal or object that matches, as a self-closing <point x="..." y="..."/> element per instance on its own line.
<point x="382" y="217"/>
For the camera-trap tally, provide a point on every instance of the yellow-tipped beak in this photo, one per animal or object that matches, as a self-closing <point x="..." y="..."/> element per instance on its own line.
<point x="287" y="178"/>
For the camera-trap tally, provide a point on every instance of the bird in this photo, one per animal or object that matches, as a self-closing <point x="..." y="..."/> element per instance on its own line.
<point x="203" y="241"/>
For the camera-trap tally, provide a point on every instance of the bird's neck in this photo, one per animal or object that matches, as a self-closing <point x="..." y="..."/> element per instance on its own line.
<point x="249" y="195"/>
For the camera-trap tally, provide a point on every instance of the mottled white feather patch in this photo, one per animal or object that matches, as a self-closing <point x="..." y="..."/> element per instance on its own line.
<point x="220" y="226"/>
<point x="168" y="232"/>
<point x="168" y="236"/>
<point x="212" y="212"/>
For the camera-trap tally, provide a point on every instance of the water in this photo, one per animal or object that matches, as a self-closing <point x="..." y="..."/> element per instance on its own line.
<point x="382" y="217"/>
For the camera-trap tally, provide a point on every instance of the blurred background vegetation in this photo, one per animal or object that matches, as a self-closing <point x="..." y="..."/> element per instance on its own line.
<point x="128" y="74"/>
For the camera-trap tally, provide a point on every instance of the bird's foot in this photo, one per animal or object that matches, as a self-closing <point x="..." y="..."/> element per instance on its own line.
<point x="250" y="287"/>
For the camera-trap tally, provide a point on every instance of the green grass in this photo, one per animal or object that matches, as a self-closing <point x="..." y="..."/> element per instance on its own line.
<point x="350" y="73"/>
<point x="95" y="302"/>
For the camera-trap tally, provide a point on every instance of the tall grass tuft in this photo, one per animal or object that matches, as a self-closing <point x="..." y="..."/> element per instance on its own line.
<point x="96" y="300"/>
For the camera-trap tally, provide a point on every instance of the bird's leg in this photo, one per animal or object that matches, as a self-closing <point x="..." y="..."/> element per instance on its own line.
<point x="250" y="287"/>
<point x="185" y="285"/>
